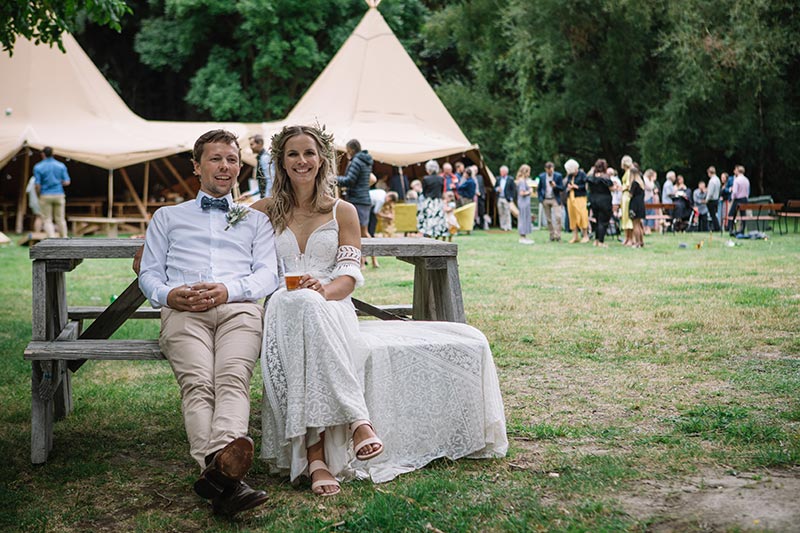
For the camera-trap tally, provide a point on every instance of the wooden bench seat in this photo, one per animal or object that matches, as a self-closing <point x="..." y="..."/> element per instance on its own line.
<point x="662" y="213"/>
<point x="92" y="312"/>
<point x="759" y="212"/>
<point x="791" y="209"/>
<point x="93" y="349"/>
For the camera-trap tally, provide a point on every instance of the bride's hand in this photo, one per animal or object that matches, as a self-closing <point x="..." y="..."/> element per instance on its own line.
<point x="307" y="282"/>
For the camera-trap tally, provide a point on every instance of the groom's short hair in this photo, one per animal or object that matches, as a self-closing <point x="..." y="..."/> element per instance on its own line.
<point x="214" y="136"/>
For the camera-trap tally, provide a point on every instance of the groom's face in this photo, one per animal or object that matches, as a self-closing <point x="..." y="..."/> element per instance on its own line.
<point x="218" y="168"/>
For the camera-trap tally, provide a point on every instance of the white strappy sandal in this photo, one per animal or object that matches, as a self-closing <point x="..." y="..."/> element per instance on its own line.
<point x="372" y="440"/>
<point x="320" y="465"/>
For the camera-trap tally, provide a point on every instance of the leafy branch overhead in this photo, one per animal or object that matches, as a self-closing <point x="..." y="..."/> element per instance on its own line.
<point x="45" y="22"/>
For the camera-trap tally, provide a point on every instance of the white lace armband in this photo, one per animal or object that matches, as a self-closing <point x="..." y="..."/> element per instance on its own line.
<point x="348" y="263"/>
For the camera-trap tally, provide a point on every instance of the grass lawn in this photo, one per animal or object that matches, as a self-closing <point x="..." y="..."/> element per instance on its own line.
<point x="652" y="389"/>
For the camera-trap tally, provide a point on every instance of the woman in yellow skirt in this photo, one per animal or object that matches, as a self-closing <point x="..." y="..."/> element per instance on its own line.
<point x="626" y="223"/>
<point x="576" y="201"/>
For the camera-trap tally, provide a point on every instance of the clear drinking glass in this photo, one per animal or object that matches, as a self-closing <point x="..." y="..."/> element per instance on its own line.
<point x="294" y="266"/>
<point x="192" y="277"/>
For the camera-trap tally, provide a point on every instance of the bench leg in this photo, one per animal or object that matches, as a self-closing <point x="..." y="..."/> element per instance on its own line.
<point x="437" y="290"/>
<point x="42" y="412"/>
<point x="63" y="394"/>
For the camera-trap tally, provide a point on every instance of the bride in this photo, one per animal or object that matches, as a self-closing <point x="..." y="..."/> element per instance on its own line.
<point x="325" y="374"/>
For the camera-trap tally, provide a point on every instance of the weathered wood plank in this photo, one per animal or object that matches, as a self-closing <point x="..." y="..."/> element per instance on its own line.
<point x="39" y="295"/>
<point x="365" y="309"/>
<point x="63" y="265"/>
<point x="112" y="317"/>
<point x="148" y="313"/>
<point x="437" y="291"/>
<point x="126" y="248"/>
<point x="41" y="418"/>
<point x="62" y="377"/>
<point x="91" y="312"/>
<point x="85" y="248"/>
<point x="94" y="349"/>
<point x="453" y="293"/>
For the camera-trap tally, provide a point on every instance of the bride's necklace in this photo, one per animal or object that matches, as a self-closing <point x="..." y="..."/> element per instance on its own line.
<point x="303" y="220"/>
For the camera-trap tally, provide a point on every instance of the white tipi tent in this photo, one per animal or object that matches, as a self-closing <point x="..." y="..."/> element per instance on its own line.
<point x="372" y="91"/>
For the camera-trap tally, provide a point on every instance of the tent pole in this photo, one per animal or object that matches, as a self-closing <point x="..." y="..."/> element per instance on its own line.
<point x="110" y="192"/>
<point x="178" y="177"/>
<point x="22" y="203"/>
<point x="128" y="183"/>
<point x="146" y="191"/>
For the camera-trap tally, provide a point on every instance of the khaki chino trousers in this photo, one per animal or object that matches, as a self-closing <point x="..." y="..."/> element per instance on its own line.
<point x="212" y="355"/>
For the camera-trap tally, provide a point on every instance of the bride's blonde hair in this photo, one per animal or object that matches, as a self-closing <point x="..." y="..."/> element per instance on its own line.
<point x="283" y="198"/>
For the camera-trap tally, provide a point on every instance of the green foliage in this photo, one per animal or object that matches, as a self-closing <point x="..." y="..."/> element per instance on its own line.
<point x="253" y="60"/>
<point x="674" y="84"/>
<point x="44" y="22"/>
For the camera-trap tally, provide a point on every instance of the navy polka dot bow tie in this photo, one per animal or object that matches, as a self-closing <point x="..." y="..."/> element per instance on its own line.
<point x="214" y="203"/>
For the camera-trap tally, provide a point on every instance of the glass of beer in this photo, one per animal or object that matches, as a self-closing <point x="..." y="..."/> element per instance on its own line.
<point x="294" y="267"/>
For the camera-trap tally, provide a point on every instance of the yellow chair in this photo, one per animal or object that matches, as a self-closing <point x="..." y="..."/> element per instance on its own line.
<point x="405" y="217"/>
<point x="466" y="217"/>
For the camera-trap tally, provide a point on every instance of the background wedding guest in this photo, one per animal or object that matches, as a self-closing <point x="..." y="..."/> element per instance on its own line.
<point x="551" y="184"/>
<point x="575" y="183"/>
<point x="740" y="192"/>
<point x="386" y="214"/>
<point x="33" y="205"/>
<point x="51" y="177"/>
<point x="600" y="186"/>
<point x="357" y="181"/>
<point x="636" y="206"/>
<point x="699" y="198"/>
<point x="450" y="179"/>
<point x="505" y="190"/>
<point x="449" y="206"/>
<point x="264" y="169"/>
<point x="430" y="217"/>
<point x="482" y="219"/>
<point x="625" y="206"/>
<point x="650" y="197"/>
<point x="467" y="187"/>
<point x="524" y="224"/>
<point x="712" y="197"/>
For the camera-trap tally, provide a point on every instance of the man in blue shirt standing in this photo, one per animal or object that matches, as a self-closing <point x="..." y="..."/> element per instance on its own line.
<point x="51" y="176"/>
<point x="265" y="168"/>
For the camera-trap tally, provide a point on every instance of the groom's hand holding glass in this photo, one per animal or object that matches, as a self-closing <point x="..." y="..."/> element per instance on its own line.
<point x="197" y="293"/>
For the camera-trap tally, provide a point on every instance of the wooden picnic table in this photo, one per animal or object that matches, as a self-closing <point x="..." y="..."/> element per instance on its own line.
<point x="123" y="209"/>
<point x="92" y="207"/>
<point x="59" y="346"/>
<point x="108" y="226"/>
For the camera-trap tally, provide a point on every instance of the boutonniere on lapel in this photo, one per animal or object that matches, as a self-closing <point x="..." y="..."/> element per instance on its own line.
<point x="236" y="214"/>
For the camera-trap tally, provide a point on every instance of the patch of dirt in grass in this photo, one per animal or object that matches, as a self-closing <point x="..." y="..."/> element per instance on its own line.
<point x="717" y="500"/>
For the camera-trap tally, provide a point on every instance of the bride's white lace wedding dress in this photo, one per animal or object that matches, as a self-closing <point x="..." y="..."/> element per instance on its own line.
<point x="430" y="389"/>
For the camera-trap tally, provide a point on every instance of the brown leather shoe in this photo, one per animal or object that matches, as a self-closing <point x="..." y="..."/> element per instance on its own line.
<point x="237" y="498"/>
<point x="234" y="460"/>
<point x="227" y="467"/>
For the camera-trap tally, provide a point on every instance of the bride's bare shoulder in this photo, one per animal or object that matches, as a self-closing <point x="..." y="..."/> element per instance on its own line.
<point x="262" y="205"/>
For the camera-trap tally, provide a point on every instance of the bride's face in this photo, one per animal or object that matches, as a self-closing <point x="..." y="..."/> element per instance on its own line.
<point x="301" y="159"/>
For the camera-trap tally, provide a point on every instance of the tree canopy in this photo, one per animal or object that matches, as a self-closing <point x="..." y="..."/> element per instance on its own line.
<point x="45" y="22"/>
<point x="676" y="84"/>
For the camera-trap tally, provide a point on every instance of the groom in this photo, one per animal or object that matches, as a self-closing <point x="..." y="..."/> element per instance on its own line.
<point x="206" y="262"/>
